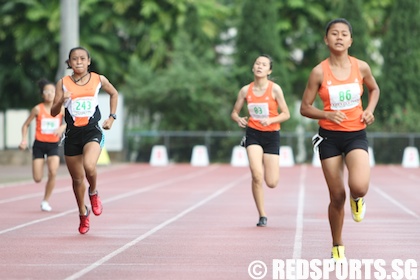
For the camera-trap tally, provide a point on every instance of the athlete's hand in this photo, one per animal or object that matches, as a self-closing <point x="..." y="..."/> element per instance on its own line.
<point x="58" y="132"/>
<point x="336" y="116"/>
<point x="243" y="122"/>
<point x="23" y="145"/>
<point x="66" y="95"/>
<point x="107" y="124"/>
<point x="367" y="117"/>
<point x="265" y="122"/>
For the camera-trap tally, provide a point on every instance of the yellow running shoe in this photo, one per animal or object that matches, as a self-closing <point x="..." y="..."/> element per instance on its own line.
<point x="337" y="253"/>
<point x="358" y="209"/>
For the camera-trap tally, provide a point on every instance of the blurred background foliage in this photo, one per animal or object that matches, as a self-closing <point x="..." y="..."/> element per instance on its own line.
<point x="180" y="63"/>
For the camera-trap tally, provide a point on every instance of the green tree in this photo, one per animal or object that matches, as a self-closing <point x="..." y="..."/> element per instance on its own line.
<point x="352" y="10"/>
<point x="302" y="22"/>
<point x="190" y="91"/>
<point x="133" y="41"/>
<point x="28" y="36"/>
<point x="113" y="31"/>
<point x="400" y="83"/>
<point x="258" y="34"/>
<point x="191" y="94"/>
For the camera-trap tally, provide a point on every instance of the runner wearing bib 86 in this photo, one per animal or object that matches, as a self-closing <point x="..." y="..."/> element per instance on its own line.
<point x="84" y="138"/>
<point x="341" y="140"/>
<point x="262" y="139"/>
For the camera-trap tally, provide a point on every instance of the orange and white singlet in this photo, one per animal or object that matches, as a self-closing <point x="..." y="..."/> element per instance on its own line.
<point x="261" y="107"/>
<point x="342" y="95"/>
<point x="82" y="107"/>
<point x="46" y="125"/>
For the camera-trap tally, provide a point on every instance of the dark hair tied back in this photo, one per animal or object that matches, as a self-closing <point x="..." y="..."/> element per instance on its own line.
<point x="75" y="49"/>
<point x="269" y="58"/>
<point x="338" y="20"/>
<point x="42" y="83"/>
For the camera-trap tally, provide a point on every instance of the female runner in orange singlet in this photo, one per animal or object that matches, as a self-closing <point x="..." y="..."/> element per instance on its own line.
<point x="48" y="130"/>
<point x="84" y="138"/>
<point x="262" y="140"/>
<point x="341" y="140"/>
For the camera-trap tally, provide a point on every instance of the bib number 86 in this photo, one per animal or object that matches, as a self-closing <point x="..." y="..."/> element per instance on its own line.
<point x="345" y="95"/>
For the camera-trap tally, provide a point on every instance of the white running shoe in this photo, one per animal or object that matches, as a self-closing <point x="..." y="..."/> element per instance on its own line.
<point x="45" y="206"/>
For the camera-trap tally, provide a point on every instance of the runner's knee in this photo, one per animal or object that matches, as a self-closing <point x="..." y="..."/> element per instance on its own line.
<point x="272" y="183"/>
<point x="338" y="198"/>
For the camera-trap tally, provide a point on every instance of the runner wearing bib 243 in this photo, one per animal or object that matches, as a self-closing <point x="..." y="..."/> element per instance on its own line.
<point x="78" y="93"/>
<point x="82" y="115"/>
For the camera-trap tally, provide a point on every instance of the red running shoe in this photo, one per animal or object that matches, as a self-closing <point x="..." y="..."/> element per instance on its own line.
<point x="84" y="222"/>
<point x="95" y="202"/>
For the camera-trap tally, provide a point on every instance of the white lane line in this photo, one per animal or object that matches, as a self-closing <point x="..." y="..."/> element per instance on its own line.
<point x="405" y="172"/>
<point x="69" y="188"/>
<point x="33" y="195"/>
<point x="100" y="171"/>
<point x="170" y="181"/>
<point x="155" y="229"/>
<point x="297" y="247"/>
<point x="395" y="202"/>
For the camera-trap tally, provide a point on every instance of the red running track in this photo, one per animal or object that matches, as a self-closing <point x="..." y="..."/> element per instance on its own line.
<point x="185" y="222"/>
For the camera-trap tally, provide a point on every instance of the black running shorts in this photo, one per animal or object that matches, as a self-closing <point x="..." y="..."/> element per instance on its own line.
<point x="77" y="138"/>
<point x="268" y="140"/>
<point x="42" y="149"/>
<point x="337" y="143"/>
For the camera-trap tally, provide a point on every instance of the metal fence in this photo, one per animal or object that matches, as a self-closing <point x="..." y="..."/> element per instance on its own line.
<point x="388" y="148"/>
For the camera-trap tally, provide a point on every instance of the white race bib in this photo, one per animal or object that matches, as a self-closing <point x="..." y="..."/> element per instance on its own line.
<point x="49" y="125"/>
<point x="344" y="97"/>
<point x="258" y="111"/>
<point x="83" y="107"/>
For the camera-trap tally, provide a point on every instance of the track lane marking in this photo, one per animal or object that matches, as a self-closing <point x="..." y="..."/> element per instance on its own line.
<point x="151" y="187"/>
<point x="162" y="225"/>
<point x="297" y="245"/>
